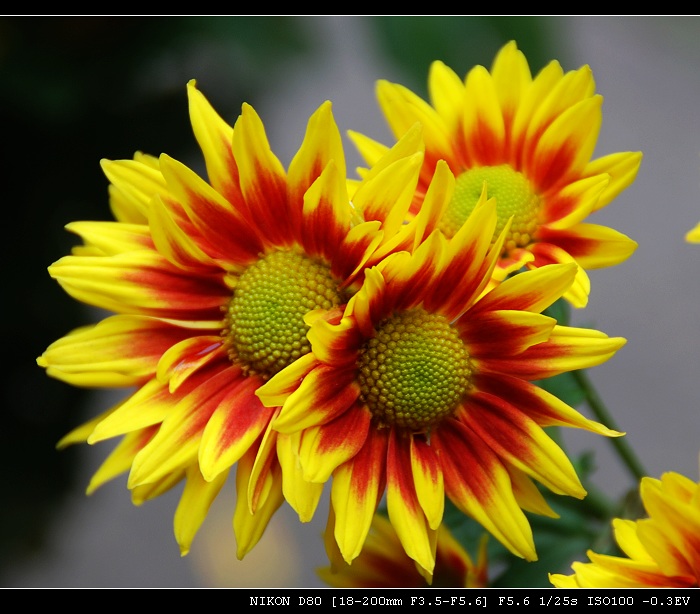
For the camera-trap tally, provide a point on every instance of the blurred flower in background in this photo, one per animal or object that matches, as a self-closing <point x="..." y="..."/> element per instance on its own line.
<point x="662" y="550"/>
<point x="383" y="562"/>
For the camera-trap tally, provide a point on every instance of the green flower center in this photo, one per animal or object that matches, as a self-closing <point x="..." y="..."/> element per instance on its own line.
<point x="264" y="325"/>
<point x="514" y="197"/>
<point x="414" y="371"/>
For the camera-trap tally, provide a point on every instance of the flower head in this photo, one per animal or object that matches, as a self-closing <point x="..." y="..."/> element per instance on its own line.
<point x="420" y="387"/>
<point x="383" y="563"/>
<point x="209" y="283"/>
<point x="662" y="550"/>
<point x="531" y="141"/>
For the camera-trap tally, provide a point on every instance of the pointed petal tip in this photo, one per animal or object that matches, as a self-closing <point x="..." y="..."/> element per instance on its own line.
<point x="619" y="342"/>
<point x="381" y="84"/>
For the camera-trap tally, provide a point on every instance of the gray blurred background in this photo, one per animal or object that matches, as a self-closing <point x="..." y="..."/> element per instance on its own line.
<point x="76" y="89"/>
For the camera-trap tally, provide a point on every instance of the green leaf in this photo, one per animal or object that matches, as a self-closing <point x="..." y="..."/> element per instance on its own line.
<point x="560" y="311"/>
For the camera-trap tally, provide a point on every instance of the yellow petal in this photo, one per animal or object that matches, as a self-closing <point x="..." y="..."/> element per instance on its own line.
<point x="249" y="527"/>
<point x="194" y="504"/>
<point x="511" y="77"/>
<point x="370" y="150"/>
<point x="149" y="405"/>
<point x="405" y="512"/>
<point x="621" y="167"/>
<point x="322" y="144"/>
<point x="134" y="183"/>
<point x="403" y="109"/>
<point x="483" y="125"/>
<point x="446" y="94"/>
<point x="120" y="459"/>
<point x="302" y="495"/>
<point x="214" y="136"/>
<point x="111" y="238"/>
<point x="355" y="494"/>
<point x="568" y="142"/>
<point x="428" y="482"/>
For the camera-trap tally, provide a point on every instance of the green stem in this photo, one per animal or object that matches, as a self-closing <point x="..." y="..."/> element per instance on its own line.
<point x="596" y="404"/>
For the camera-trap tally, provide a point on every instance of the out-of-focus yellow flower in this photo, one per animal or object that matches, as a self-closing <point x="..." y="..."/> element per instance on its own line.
<point x="662" y="550"/>
<point x="384" y="563"/>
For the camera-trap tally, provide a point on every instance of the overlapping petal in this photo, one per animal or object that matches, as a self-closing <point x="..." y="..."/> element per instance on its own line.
<point x="358" y="486"/>
<point x="248" y="525"/>
<point x="193" y="507"/>
<point x="324" y="448"/>
<point x="119" y="351"/>
<point x="301" y="494"/>
<point x="479" y="485"/>
<point x="109" y="238"/>
<point x="404" y="507"/>
<point x="233" y="427"/>
<point x="132" y="186"/>
<point x="523" y="443"/>
<point x="141" y="282"/>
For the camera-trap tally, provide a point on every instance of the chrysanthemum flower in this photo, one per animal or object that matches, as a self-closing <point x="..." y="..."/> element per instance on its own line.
<point x="662" y="550"/>
<point x="383" y="563"/>
<point x="421" y="388"/>
<point x="531" y="139"/>
<point x="209" y="282"/>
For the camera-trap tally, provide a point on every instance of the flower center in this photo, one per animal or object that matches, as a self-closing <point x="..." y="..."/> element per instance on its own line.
<point x="414" y="371"/>
<point x="514" y="197"/>
<point x="265" y="329"/>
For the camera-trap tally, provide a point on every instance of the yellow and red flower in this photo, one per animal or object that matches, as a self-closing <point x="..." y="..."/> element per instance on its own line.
<point x="660" y="551"/>
<point x="383" y="563"/>
<point x="531" y="140"/>
<point x="420" y="387"/>
<point x="209" y="283"/>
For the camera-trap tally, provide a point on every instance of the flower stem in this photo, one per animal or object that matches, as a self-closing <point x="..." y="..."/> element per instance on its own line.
<point x="629" y="458"/>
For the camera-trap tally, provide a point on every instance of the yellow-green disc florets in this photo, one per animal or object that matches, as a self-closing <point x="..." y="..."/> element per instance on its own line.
<point x="514" y="197"/>
<point x="265" y="329"/>
<point x="414" y="371"/>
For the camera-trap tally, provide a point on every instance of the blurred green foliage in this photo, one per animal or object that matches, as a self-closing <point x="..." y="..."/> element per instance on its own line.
<point x="462" y="41"/>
